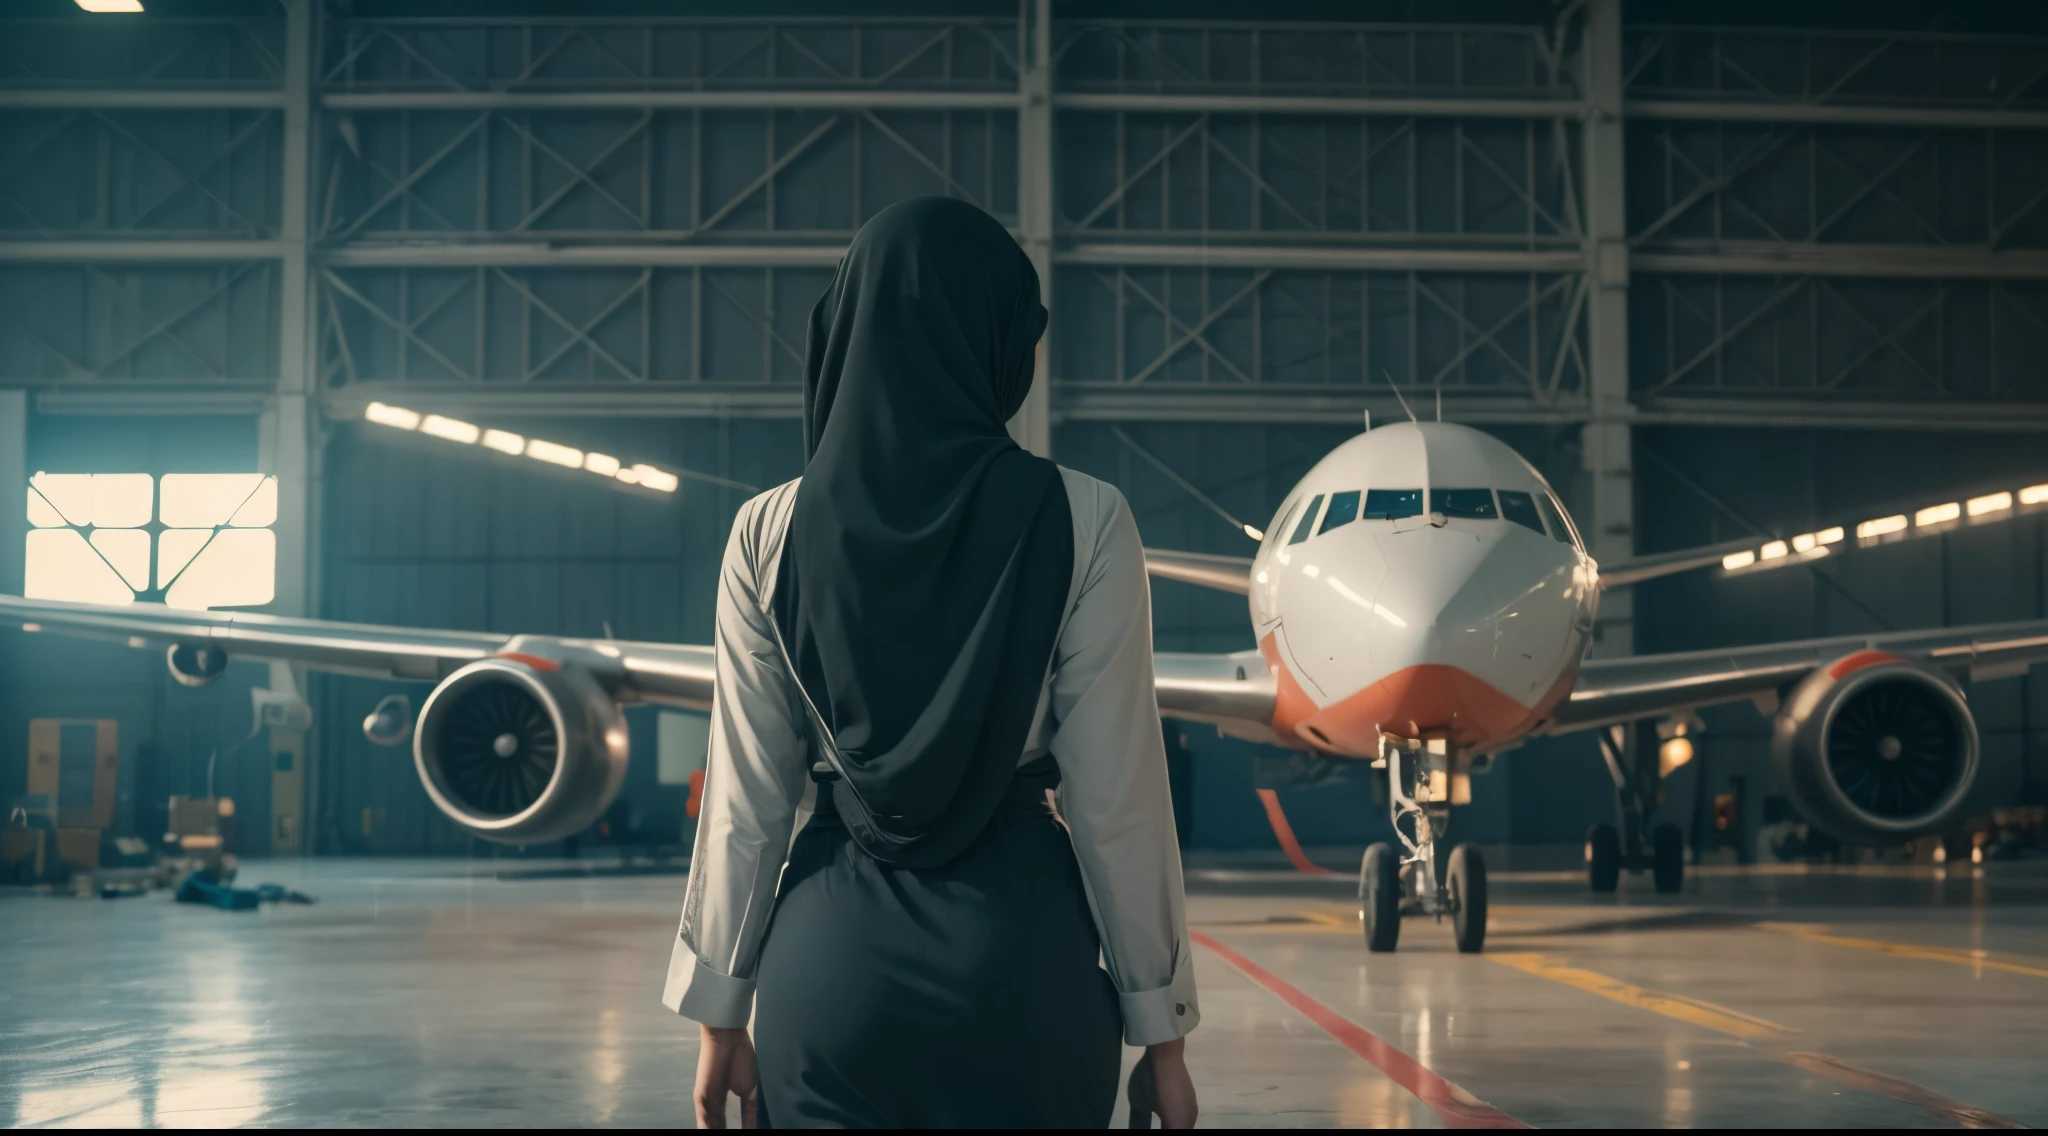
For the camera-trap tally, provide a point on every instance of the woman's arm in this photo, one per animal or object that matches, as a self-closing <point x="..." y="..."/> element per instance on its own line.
<point x="1113" y="785"/>
<point x="753" y="783"/>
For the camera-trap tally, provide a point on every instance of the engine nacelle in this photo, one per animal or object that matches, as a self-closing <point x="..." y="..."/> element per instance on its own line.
<point x="1874" y="749"/>
<point x="519" y="753"/>
<point x="196" y="664"/>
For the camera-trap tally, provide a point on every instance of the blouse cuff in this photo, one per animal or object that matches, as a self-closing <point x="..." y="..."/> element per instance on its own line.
<point x="703" y="995"/>
<point x="1155" y="1016"/>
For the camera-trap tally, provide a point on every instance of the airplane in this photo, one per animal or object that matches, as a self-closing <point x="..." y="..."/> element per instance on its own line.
<point x="1421" y="601"/>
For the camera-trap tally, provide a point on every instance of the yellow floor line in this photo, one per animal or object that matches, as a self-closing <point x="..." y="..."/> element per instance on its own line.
<point x="1981" y="960"/>
<point x="1721" y="1019"/>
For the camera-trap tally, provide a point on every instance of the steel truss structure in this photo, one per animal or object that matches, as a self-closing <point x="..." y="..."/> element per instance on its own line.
<point x="1283" y="221"/>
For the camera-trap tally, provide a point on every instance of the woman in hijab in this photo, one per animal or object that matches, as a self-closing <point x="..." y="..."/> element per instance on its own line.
<point x="939" y="647"/>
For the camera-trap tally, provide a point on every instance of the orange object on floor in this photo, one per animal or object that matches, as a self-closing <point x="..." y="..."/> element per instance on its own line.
<point x="1284" y="832"/>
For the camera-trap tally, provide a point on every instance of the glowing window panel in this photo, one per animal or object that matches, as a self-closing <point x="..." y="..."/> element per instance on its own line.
<point x="2034" y="495"/>
<point x="237" y="568"/>
<point x="505" y="442"/>
<point x="127" y="552"/>
<point x="60" y="499"/>
<point x="1829" y="536"/>
<point x="1989" y="503"/>
<point x="61" y="566"/>
<point x="560" y="455"/>
<point x="396" y="417"/>
<point x="42" y="514"/>
<point x="1772" y="551"/>
<point x="1882" y="526"/>
<point x="450" y="429"/>
<point x="1938" y="514"/>
<point x="1735" y="560"/>
<point x="205" y="500"/>
<point x="603" y="464"/>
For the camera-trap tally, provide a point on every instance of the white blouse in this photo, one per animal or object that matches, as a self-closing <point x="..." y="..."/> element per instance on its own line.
<point x="1098" y="716"/>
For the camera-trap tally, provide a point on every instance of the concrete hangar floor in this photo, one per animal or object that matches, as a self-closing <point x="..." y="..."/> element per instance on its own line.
<point x="437" y="993"/>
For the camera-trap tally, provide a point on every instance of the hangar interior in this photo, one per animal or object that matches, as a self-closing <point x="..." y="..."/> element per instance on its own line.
<point x="1721" y="280"/>
<point x="1720" y="271"/>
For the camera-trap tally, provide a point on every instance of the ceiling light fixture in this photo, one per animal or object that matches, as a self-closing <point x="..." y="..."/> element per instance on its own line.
<point x="1882" y="526"/>
<point x="1937" y="514"/>
<point x="452" y="429"/>
<point x="110" y="7"/>
<point x="1989" y="503"/>
<point x="505" y="442"/>
<point x="1735" y="560"/>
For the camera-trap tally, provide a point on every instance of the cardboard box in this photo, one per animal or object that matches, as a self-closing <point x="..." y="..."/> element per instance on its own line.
<point x="79" y="848"/>
<point x="24" y="855"/>
<point x="77" y="761"/>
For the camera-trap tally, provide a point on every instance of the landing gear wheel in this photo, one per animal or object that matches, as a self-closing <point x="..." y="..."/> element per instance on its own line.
<point x="1667" y="859"/>
<point x="1603" y="857"/>
<point x="1467" y="878"/>
<point x="1379" y="897"/>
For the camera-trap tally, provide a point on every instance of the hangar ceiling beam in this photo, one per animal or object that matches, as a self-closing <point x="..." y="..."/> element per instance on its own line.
<point x="141" y="98"/>
<point x="1606" y="447"/>
<point x="1032" y="425"/>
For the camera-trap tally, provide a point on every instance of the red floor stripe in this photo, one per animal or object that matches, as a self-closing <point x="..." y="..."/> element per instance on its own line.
<point x="1284" y="833"/>
<point x="1459" y="1108"/>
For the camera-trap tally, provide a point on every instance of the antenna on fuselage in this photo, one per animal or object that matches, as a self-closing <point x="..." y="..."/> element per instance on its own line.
<point x="1398" y="395"/>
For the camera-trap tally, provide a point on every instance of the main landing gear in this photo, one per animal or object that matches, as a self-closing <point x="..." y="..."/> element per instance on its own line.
<point x="1391" y="883"/>
<point x="1636" y="762"/>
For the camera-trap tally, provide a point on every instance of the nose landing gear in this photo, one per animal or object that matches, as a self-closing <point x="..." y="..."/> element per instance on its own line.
<point x="1392" y="884"/>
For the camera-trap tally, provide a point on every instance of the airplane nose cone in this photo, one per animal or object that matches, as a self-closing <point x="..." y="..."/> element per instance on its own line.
<point x="1438" y="602"/>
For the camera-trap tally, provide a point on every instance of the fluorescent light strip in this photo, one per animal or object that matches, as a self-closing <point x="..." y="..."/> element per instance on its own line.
<point x="1882" y="526"/>
<point x="1735" y="560"/>
<point x="1937" y="514"/>
<point x="506" y="442"/>
<point x="110" y="7"/>
<point x="1829" y="536"/>
<point x="395" y="416"/>
<point x="1772" y="551"/>
<point x="566" y="456"/>
<point x="2034" y="495"/>
<point x="1989" y="503"/>
<point x="450" y="429"/>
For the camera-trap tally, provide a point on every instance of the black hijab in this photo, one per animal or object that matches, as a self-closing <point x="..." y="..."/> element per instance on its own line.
<point x="928" y="557"/>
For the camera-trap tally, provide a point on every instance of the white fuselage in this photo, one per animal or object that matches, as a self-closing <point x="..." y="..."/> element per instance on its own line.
<point x="1421" y="582"/>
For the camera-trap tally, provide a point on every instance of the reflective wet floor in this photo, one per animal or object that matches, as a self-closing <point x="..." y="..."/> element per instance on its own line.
<point x="436" y="994"/>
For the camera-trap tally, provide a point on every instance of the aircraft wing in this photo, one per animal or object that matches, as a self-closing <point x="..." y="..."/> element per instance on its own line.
<point x="679" y="674"/>
<point x="1233" y="573"/>
<point x="1203" y="569"/>
<point x="1636" y="569"/>
<point x="1234" y="692"/>
<point x="1618" y="690"/>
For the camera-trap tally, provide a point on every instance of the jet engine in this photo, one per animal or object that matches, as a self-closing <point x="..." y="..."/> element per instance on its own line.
<point x="194" y="664"/>
<point x="1874" y="749"/>
<point x="520" y="752"/>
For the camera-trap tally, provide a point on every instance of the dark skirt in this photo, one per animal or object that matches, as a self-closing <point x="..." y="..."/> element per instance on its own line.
<point x="963" y="996"/>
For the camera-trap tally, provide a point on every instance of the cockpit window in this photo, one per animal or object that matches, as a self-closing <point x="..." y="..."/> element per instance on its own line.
<point x="1472" y="504"/>
<point x="1392" y="504"/>
<point x="1308" y="520"/>
<point x="1520" y="508"/>
<point x="1343" y="510"/>
<point x="1559" y="531"/>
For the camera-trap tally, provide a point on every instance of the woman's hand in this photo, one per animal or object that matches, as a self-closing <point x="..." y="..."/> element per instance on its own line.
<point x="1160" y="1085"/>
<point x="725" y="1064"/>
